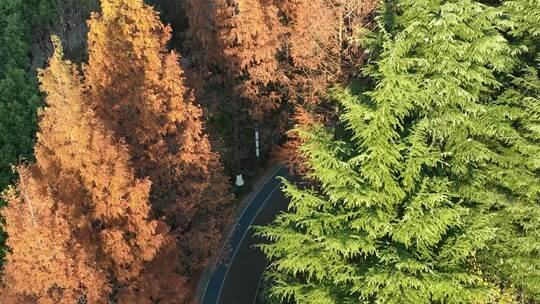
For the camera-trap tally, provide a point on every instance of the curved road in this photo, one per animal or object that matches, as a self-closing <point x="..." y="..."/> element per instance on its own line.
<point x="236" y="278"/>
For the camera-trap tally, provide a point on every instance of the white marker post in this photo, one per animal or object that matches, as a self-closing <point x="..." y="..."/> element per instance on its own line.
<point x="239" y="180"/>
<point x="257" y="152"/>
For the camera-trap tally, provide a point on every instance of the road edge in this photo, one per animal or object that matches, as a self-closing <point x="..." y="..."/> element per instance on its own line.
<point x="207" y="272"/>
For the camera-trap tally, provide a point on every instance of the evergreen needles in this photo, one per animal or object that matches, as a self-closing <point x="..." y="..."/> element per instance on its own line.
<point x="431" y="179"/>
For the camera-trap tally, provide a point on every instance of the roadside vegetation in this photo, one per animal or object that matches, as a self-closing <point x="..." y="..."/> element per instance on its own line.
<point x="427" y="189"/>
<point x="19" y="93"/>
<point x="413" y="124"/>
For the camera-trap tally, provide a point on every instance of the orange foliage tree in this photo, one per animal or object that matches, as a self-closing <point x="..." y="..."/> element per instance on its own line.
<point x="320" y="42"/>
<point x="322" y="50"/>
<point x="237" y="42"/>
<point x="137" y="89"/>
<point x="121" y="147"/>
<point x="234" y="45"/>
<point x="263" y="46"/>
<point x="321" y="35"/>
<point x="277" y="57"/>
<point x="78" y="220"/>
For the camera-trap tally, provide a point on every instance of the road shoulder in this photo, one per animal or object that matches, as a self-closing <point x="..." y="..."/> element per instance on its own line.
<point x="207" y="272"/>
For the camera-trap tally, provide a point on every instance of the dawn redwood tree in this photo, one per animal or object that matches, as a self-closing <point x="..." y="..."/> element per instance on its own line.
<point x="78" y="220"/>
<point x="272" y="59"/>
<point x="314" y="37"/>
<point x="405" y="184"/>
<point x="321" y="49"/>
<point x="234" y="46"/>
<point x="239" y="41"/>
<point x="258" y="45"/>
<point x="321" y="42"/>
<point x="137" y="89"/>
<point x="45" y="263"/>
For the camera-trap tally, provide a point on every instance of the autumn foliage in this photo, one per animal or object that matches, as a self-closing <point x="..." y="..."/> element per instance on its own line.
<point x="275" y="58"/>
<point x="79" y="218"/>
<point x="237" y="42"/>
<point x="126" y="200"/>
<point x="137" y="89"/>
<point x="320" y="42"/>
<point x="322" y="50"/>
<point x="261" y="48"/>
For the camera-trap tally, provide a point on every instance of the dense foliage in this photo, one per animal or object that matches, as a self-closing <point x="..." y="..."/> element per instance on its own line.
<point x="421" y="167"/>
<point x="19" y="95"/>
<point x="79" y="214"/>
<point x="137" y="88"/>
<point x="18" y="87"/>
<point x="126" y="199"/>
<point x="430" y="180"/>
<point x="514" y="258"/>
<point x="268" y="64"/>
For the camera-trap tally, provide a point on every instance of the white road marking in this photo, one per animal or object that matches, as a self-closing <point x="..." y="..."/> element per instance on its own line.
<point x="242" y="239"/>
<point x="232" y="231"/>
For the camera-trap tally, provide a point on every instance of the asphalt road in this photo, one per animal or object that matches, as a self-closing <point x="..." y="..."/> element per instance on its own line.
<point x="236" y="278"/>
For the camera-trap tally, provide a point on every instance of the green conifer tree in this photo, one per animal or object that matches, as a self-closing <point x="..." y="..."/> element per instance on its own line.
<point x="19" y="94"/>
<point x="404" y="185"/>
<point x="513" y="258"/>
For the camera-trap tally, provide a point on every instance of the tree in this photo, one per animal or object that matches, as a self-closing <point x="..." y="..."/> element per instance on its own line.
<point x="404" y="194"/>
<point x="45" y="264"/>
<point x="238" y="42"/>
<point x="234" y="46"/>
<point x="271" y="58"/>
<point x="78" y="220"/>
<point x="321" y="43"/>
<point x="513" y="259"/>
<point x="137" y="89"/>
<point x="19" y="95"/>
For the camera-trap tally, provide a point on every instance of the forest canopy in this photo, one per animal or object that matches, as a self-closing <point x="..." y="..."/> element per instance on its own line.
<point x="412" y="128"/>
